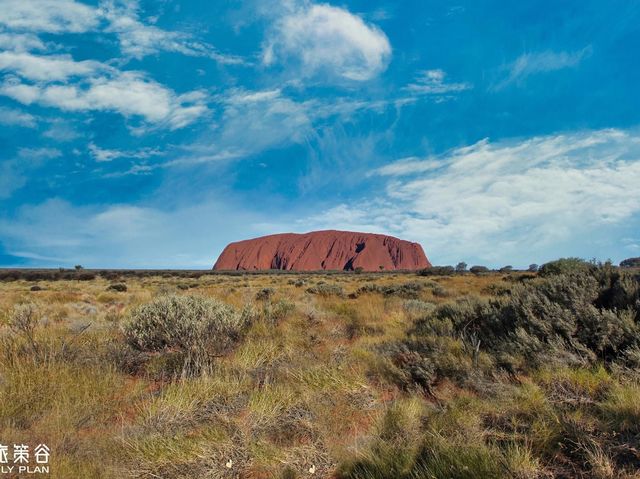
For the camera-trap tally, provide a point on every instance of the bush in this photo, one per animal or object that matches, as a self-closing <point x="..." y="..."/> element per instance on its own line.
<point x="506" y="269"/>
<point x="630" y="263"/>
<point x="119" y="287"/>
<point x="461" y="267"/>
<point x="479" y="269"/>
<point x="275" y="312"/>
<point x="566" y="320"/>
<point x="533" y="268"/>
<point x="24" y="318"/>
<point x="195" y="329"/>
<point x="265" y="294"/>
<point x="417" y="308"/>
<point x="440" y="291"/>
<point x="324" y="289"/>
<point x="564" y="266"/>
<point x="84" y="276"/>
<point x="437" y="271"/>
<point x="409" y="290"/>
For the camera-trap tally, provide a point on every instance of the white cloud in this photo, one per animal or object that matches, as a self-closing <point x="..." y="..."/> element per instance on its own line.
<point x="104" y="155"/>
<point x="432" y="82"/>
<point x="510" y="201"/>
<point x="51" y="16"/>
<point x="20" y="42"/>
<point x="12" y="117"/>
<point x="322" y="39"/>
<point x="408" y="166"/>
<point x="46" y="68"/>
<point x="139" y="40"/>
<point x="37" y="155"/>
<point x="12" y="178"/>
<point x="120" y="17"/>
<point x="97" y="87"/>
<point x="251" y="122"/>
<point x="529" y="64"/>
<point x="256" y="121"/>
<point x="61" y="131"/>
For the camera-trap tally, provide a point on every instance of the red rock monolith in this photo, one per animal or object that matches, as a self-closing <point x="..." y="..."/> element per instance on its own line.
<point x="323" y="250"/>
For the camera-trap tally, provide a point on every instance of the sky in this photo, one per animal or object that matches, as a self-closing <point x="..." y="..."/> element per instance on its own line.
<point x="149" y="134"/>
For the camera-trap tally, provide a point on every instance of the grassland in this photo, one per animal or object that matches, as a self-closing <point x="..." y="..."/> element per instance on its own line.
<point x="348" y="375"/>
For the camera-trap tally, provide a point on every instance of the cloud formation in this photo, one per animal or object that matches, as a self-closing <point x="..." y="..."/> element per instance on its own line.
<point x="61" y="82"/>
<point x="138" y="39"/>
<point x="102" y="155"/>
<point x="49" y="16"/>
<point x="508" y="200"/>
<point x="13" y="117"/>
<point x="432" y="82"/>
<point x="322" y="39"/>
<point x="529" y="64"/>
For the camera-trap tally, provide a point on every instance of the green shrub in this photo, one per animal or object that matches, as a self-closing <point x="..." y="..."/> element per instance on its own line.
<point x="265" y="294"/>
<point x="325" y="289"/>
<point x="630" y="263"/>
<point x="440" y="291"/>
<point x="437" y="271"/>
<point x="416" y="307"/>
<point x="479" y="269"/>
<point x="564" y="266"/>
<point x="409" y="290"/>
<point x="197" y="329"/>
<point x="119" y="287"/>
<point x="276" y="312"/>
<point x="563" y="320"/>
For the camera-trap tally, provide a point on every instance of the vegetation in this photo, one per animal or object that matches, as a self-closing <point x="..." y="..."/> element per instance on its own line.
<point x="461" y="267"/>
<point x="437" y="271"/>
<point x="630" y="263"/>
<point x="564" y="266"/>
<point x="479" y="269"/>
<point x="197" y="329"/>
<point x="367" y="375"/>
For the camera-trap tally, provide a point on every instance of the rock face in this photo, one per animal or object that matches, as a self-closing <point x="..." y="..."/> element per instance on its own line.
<point x="323" y="250"/>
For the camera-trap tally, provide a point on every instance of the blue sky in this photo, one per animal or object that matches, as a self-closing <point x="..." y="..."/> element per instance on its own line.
<point x="152" y="133"/>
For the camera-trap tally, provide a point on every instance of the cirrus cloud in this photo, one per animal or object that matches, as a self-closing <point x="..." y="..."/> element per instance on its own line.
<point x="509" y="201"/>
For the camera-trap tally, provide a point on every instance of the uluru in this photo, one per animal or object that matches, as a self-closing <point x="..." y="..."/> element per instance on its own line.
<point x="323" y="250"/>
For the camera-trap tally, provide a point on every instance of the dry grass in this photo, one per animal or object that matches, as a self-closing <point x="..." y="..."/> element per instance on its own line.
<point x="303" y="390"/>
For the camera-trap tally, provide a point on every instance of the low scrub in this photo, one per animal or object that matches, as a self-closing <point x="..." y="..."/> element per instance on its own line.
<point x="195" y="329"/>
<point x="437" y="271"/>
<point x="564" y="266"/>
<point x="410" y="290"/>
<point x="578" y="319"/>
<point x="326" y="289"/>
